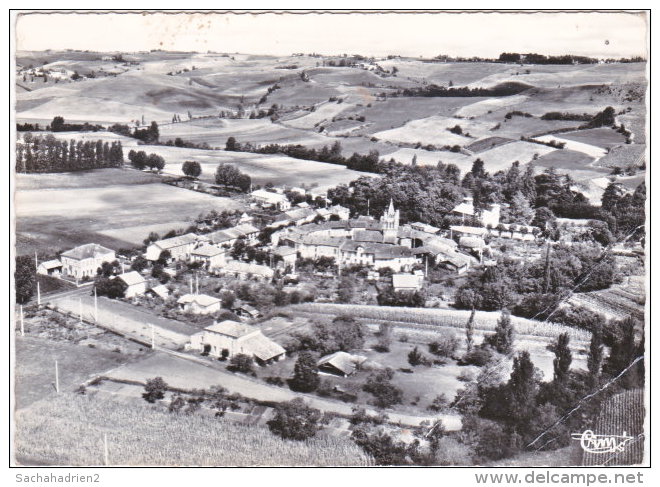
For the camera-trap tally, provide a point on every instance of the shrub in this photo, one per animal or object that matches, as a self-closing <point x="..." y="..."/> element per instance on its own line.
<point x="294" y="420"/>
<point x="154" y="389"/>
<point x="241" y="363"/>
<point x="445" y="346"/>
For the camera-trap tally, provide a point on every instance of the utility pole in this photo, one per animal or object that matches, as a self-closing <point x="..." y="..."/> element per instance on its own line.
<point x="105" y="448"/>
<point x="36" y="261"/>
<point x="57" y="378"/>
<point x="191" y="285"/>
<point x="96" y="307"/>
<point x="22" y="327"/>
<point x="38" y="294"/>
<point x="196" y="283"/>
<point x="80" y="308"/>
<point x="153" y="338"/>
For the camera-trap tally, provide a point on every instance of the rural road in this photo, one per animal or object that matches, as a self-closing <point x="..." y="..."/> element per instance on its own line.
<point x="191" y="374"/>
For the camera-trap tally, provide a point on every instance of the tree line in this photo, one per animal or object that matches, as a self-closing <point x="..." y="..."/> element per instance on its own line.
<point x="40" y="154"/>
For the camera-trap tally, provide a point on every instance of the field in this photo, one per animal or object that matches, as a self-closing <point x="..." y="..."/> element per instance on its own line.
<point x="83" y="209"/>
<point x="35" y="366"/>
<point x="602" y="137"/>
<point x="70" y="429"/>
<point x="501" y="158"/>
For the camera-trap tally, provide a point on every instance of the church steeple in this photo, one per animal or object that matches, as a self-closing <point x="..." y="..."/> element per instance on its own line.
<point x="390" y="221"/>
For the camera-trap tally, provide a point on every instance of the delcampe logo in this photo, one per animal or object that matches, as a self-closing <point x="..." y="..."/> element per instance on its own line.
<point x="593" y="443"/>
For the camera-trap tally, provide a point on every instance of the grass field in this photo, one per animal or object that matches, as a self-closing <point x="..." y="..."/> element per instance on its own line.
<point x="35" y="367"/>
<point x="601" y="137"/>
<point x="88" y="209"/>
<point x="69" y="430"/>
<point x="501" y="158"/>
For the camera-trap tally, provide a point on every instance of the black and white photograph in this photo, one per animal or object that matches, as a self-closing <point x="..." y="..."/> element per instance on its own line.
<point x="329" y="238"/>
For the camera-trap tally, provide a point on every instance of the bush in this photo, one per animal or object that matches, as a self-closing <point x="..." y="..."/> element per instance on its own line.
<point x="440" y="403"/>
<point x="241" y="363"/>
<point x="154" y="389"/>
<point x="478" y="356"/>
<point x="445" y="346"/>
<point x="294" y="420"/>
<point x="379" y="385"/>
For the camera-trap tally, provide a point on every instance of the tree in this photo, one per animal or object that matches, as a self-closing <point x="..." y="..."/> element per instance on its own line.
<point x="520" y="210"/>
<point x="345" y="290"/>
<point x="611" y="196"/>
<point x="384" y="338"/>
<point x="154" y="161"/>
<point x="384" y="392"/>
<point x="154" y="389"/>
<point x="192" y="169"/>
<point x="305" y="373"/>
<point x="232" y="145"/>
<point x="241" y="363"/>
<point x="595" y="356"/>
<point x="139" y="264"/>
<point x="415" y="357"/>
<point x="563" y="359"/>
<point x="294" y="420"/>
<point x="502" y="339"/>
<point x="112" y="288"/>
<point x="469" y="332"/>
<point x="25" y="278"/>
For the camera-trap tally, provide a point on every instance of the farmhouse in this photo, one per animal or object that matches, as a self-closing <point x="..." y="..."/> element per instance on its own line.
<point x="268" y="199"/>
<point x="229" y="236"/>
<point x="244" y="270"/>
<point x="233" y="338"/>
<point x="340" y="363"/>
<point x="199" y="304"/>
<point x="160" y="291"/>
<point x="137" y="285"/>
<point x="83" y="261"/>
<point x="287" y="257"/>
<point x="244" y="310"/>
<point x="179" y="247"/>
<point x="210" y="256"/>
<point x="50" y="268"/>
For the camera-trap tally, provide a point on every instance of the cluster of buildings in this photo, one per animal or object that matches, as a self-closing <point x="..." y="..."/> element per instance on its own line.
<point x="377" y="244"/>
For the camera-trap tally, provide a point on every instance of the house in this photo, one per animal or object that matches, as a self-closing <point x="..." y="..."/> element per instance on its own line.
<point x="136" y="284"/>
<point x="160" y="291"/>
<point x="50" y="268"/>
<point x="268" y="199"/>
<point x="179" y="247"/>
<point x="288" y="256"/>
<point x="83" y="261"/>
<point x="232" y="338"/>
<point x="407" y="282"/>
<point x="340" y="363"/>
<point x="457" y="231"/>
<point x="465" y="210"/>
<point x="424" y="227"/>
<point x="245" y="218"/>
<point x="244" y="270"/>
<point x="199" y="304"/>
<point x="211" y="256"/>
<point x="245" y="310"/>
<point x="229" y="236"/>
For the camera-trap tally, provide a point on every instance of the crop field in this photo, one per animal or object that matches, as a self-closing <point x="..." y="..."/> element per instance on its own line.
<point x="602" y="137"/>
<point x="479" y="108"/>
<point x="434" y="130"/>
<point x="114" y="215"/>
<point x="503" y="156"/>
<point x="487" y="143"/>
<point x="624" y="156"/>
<point x="567" y="159"/>
<point x="70" y="429"/>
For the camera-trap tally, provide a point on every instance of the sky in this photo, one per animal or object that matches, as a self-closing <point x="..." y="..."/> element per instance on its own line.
<point x="377" y="34"/>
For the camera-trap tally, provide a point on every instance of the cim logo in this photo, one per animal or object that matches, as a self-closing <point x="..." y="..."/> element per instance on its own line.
<point x="593" y="443"/>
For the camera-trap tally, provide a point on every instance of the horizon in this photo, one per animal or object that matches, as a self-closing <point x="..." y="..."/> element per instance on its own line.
<point x="599" y="35"/>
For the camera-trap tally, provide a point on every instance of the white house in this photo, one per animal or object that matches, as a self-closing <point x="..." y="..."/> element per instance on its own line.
<point x="237" y="338"/>
<point x="83" y="261"/>
<point x="137" y="285"/>
<point x="211" y="256"/>
<point x="244" y="270"/>
<point x="199" y="304"/>
<point x="466" y="211"/>
<point x="179" y="247"/>
<point x="407" y="282"/>
<point x="269" y="199"/>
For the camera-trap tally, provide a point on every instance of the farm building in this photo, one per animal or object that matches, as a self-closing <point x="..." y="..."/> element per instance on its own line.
<point x="457" y="231"/>
<point x="244" y="310"/>
<point x="83" y="261"/>
<point x="340" y="363"/>
<point x="268" y="199"/>
<point x="244" y="270"/>
<point x="179" y="247"/>
<point x="235" y="338"/>
<point x="199" y="304"/>
<point x="297" y="216"/>
<point x="407" y="282"/>
<point x="160" y="291"/>
<point x="136" y="284"/>
<point x="465" y="210"/>
<point x="50" y="268"/>
<point x="211" y="256"/>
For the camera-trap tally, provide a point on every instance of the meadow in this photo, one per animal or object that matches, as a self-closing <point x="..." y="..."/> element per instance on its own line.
<point x="70" y="429"/>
